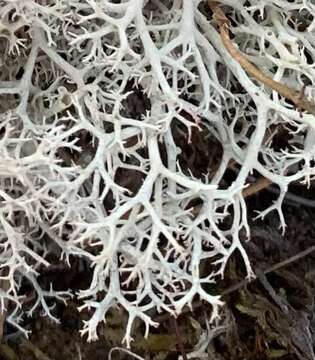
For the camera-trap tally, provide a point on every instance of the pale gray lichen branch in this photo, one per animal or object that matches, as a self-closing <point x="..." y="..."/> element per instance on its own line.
<point x="84" y="174"/>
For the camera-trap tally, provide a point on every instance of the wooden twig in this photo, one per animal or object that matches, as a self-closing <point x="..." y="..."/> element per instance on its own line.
<point x="297" y="97"/>
<point x="260" y="184"/>
<point x="241" y="284"/>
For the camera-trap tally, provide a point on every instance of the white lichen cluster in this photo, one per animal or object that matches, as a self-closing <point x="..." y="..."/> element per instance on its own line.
<point x="68" y="70"/>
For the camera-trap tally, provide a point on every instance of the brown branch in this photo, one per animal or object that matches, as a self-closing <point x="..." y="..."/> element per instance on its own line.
<point x="297" y="97"/>
<point x="260" y="184"/>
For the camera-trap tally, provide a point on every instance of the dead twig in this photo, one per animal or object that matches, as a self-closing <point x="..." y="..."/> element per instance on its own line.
<point x="261" y="184"/>
<point x="241" y="284"/>
<point x="297" y="97"/>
